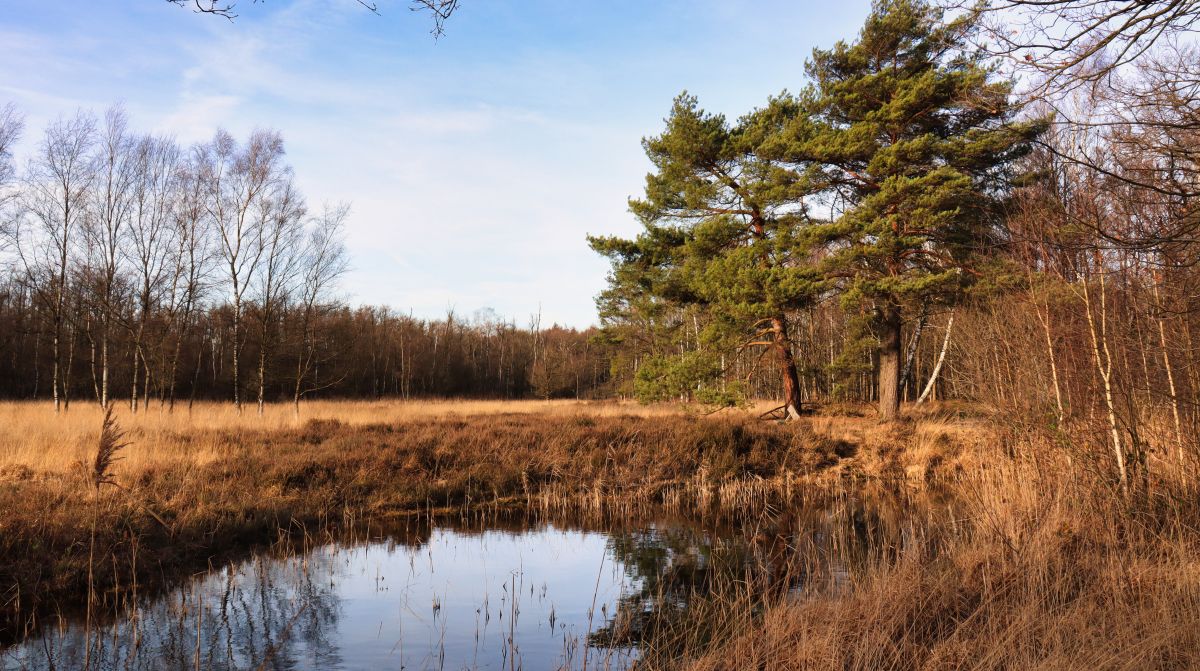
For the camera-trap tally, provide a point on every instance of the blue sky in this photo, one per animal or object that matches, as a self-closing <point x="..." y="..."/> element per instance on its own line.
<point x="476" y="164"/>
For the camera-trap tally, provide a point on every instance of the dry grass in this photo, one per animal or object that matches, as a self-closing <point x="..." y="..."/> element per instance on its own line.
<point x="35" y="437"/>
<point x="1043" y="566"/>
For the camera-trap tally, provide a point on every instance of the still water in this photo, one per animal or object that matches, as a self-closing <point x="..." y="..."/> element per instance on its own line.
<point x="538" y="597"/>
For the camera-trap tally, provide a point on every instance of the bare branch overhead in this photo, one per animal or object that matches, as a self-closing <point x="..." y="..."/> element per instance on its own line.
<point x="439" y="10"/>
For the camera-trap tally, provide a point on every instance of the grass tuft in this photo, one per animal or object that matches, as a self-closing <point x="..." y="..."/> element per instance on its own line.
<point x="111" y="442"/>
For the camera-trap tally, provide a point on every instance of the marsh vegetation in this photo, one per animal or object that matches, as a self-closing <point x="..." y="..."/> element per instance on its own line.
<point x="829" y="542"/>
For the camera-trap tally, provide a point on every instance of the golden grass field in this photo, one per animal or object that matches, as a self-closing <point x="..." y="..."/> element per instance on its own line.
<point x="36" y="437"/>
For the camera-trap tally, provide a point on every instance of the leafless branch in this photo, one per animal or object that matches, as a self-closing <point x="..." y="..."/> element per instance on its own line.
<point x="439" y="10"/>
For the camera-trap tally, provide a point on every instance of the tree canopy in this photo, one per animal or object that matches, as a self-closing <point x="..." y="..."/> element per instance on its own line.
<point x="724" y="224"/>
<point x="917" y="140"/>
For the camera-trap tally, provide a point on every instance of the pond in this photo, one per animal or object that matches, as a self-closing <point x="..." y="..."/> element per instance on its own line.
<point x="531" y="596"/>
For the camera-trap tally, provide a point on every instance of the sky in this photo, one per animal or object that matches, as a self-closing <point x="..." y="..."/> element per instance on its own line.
<point x="475" y="164"/>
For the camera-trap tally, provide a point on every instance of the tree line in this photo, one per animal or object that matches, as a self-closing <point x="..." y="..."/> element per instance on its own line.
<point x="910" y="225"/>
<point x="135" y="268"/>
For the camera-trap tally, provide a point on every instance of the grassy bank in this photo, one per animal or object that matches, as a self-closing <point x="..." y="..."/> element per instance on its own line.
<point x="193" y="488"/>
<point x="1047" y="566"/>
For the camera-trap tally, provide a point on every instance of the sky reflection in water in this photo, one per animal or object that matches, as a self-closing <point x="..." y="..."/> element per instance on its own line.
<point x="446" y="604"/>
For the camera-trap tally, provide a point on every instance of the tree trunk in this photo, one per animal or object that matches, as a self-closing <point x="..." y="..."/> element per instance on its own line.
<point x="787" y="366"/>
<point x="37" y="359"/>
<point x="1166" y="355"/>
<point x="262" y="373"/>
<point x="92" y="362"/>
<point x="145" y="382"/>
<point x="1193" y="377"/>
<point x="889" y="364"/>
<point x="911" y="355"/>
<point x="104" y="366"/>
<point x="196" y="376"/>
<point x="237" y="345"/>
<point x="173" y="373"/>
<point x="1104" y="367"/>
<point x="1045" y="321"/>
<point x="300" y="374"/>
<point x="54" y="379"/>
<point x="133" y="389"/>
<point x="66" y="384"/>
<point x="937" y="368"/>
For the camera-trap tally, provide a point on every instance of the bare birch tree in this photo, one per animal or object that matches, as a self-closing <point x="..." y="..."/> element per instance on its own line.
<point x="107" y="224"/>
<point x="324" y="261"/>
<point x="282" y="217"/>
<point x="238" y="178"/>
<point x="192" y="258"/>
<point x="151" y="244"/>
<point x="54" y="199"/>
<point x="11" y="126"/>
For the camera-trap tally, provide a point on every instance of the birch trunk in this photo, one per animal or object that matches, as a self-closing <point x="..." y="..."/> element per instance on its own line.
<point x="937" y="367"/>
<point x="133" y="387"/>
<point x="911" y="354"/>
<point x="1166" y="355"/>
<point x="237" y="345"/>
<point x="262" y="373"/>
<point x="104" y="367"/>
<point x="1045" y="321"/>
<point x="1104" y="367"/>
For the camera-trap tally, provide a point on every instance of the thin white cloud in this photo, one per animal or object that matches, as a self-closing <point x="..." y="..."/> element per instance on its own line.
<point x="196" y="117"/>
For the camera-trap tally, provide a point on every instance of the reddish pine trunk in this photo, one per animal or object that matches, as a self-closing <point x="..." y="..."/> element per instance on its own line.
<point x="787" y="367"/>
<point x="889" y="364"/>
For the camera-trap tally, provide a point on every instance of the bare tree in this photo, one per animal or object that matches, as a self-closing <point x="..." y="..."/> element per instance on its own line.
<point x="283" y="214"/>
<point x="107" y="223"/>
<point x="324" y="261"/>
<point x="150" y="246"/>
<point x="1076" y="42"/>
<point x="11" y="125"/>
<point x="438" y="10"/>
<point x="192" y="258"/>
<point x="1133" y="57"/>
<point x="55" y="199"/>
<point x="238" y="179"/>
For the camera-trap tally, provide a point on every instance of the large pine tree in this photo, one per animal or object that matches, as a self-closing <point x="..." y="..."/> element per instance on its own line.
<point x="917" y="138"/>
<point x="722" y="227"/>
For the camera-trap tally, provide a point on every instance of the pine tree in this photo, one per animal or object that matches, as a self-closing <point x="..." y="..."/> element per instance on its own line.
<point x="917" y="139"/>
<point x="723" y="232"/>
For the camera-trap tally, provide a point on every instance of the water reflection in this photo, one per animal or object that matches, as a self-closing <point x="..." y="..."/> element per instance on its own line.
<point x="531" y="598"/>
<point x="492" y="600"/>
<point x="673" y="567"/>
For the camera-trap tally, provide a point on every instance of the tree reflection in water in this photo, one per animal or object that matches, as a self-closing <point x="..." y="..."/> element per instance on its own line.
<point x="680" y="567"/>
<point x="261" y="614"/>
